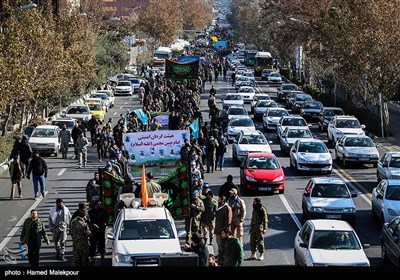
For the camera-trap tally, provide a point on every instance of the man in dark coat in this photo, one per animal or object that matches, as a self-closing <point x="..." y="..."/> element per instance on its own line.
<point x="38" y="167"/>
<point x="25" y="153"/>
<point x="199" y="247"/>
<point x="227" y="186"/>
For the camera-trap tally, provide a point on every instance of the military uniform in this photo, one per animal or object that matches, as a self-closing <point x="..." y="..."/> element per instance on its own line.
<point x="80" y="232"/>
<point x="258" y="226"/>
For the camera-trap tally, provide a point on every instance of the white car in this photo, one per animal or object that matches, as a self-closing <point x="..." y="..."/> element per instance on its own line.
<point x="325" y="242"/>
<point x="243" y="81"/>
<point x="81" y="112"/>
<point x="69" y="122"/>
<point x="236" y="125"/>
<point x="262" y="106"/>
<point x="247" y="93"/>
<point x="141" y="235"/>
<point x="249" y="141"/>
<point x="123" y="87"/>
<point x="272" y="116"/>
<point x="110" y="94"/>
<point x="291" y="134"/>
<point x="104" y="98"/>
<point x="256" y="98"/>
<point x="328" y="198"/>
<point x="340" y="126"/>
<point x="360" y="149"/>
<point x="236" y="112"/>
<point x="389" y="166"/>
<point x="274" y="78"/>
<point x="232" y="99"/>
<point x="386" y="200"/>
<point x="290" y="121"/>
<point x="45" y="139"/>
<point x="310" y="155"/>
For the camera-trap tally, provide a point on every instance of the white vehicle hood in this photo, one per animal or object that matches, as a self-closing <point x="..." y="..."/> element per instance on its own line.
<point x="237" y="116"/>
<point x="362" y="150"/>
<point x="273" y="119"/>
<point x="339" y="257"/>
<point x="123" y="87"/>
<point x="351" y="131"/>
<point x="233" y="102"/>
<point x="237" y="129"/>
<point x="43" y="140"/>
<point x="255" y="147"/>
<point x="292" y="140"/>
<point x="331" y="202"/>
<point x="145" y="247"/>
<point x="315" y="157"/>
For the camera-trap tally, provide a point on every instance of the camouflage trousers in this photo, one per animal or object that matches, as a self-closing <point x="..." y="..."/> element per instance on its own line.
<point x="257" y="242"/>
<point x="81" y="255"/>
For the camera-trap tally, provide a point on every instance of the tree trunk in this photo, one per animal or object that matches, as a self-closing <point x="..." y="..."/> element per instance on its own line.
<point x="21" y="122"/>
<point x="7" y="119"/>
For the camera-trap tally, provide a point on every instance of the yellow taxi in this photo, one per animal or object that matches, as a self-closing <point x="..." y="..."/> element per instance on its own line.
<point x="96" y="108"/>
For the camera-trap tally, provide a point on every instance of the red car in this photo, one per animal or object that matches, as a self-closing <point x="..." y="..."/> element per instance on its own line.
<point x="261" y="172"/>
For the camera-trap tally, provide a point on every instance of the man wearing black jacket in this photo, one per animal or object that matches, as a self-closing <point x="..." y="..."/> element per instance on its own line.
<point x="38" y="167"/>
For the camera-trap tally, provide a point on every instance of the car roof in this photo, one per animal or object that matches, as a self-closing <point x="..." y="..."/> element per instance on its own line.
<point x="292" y="117"/>
<point x="47" y="126"/>
<point x="345" y="117"/>
<point x="145" y="213"/>
<point x="251" y="132"/>
<point x="393" y="153"/>
<point x="356" y="136"/>
<point x="327" y="180"/>
<point x="66" y="119"/>
<point x="310" y="140"/>
<point x="328" y="224"/>
<point x="392" y="181"/>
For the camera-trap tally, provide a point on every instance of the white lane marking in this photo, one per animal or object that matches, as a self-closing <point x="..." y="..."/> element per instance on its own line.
<point x="114" y="113"/>
<point x="353" y="187"/>
<point x="125" y="103"/>
<point x="121" y="107"/>
<point x="290" y="210"/>
<point x="20" y="222"/>
<point x="61" y="172"/>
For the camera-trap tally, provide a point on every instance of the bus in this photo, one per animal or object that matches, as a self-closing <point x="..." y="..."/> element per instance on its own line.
<point x="249" y="57"/>
<point x="263" y="60"/>
<point x="163" y="53"/>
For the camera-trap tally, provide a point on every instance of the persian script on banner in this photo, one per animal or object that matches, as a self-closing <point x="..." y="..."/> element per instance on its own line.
<point x="154" y="146"/>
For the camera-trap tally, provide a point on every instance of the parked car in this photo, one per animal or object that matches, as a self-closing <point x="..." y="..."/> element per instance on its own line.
<point x="232" y="99"/>
<point x="329" y="243"/>
<point x="81" y="112"/>
<point x="340" y="126"/>
<point x="27" y="132"/>
<point x="360" y="149"/>
<point x="311" y="110"/>
<point x="247" y="142"/>
<point x="272" y="116"/>
<point x="45" y="139"/>
<point x="291" y="134"/>
<point x="390" y="244"/>
<point x="236" y="125"/>
<point x="388" y="166"/>
<point x="141" y="235"/>
<point x="261" y="172"/>
<point x="385" y="200"/>
<point x="310" y="155"/>
<point x="69" y="123"/>
<point x="328" y="198"/>
<point x="326" y="115"/>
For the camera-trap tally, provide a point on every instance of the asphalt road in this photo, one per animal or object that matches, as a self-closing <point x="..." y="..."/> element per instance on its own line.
<point x="67" y="182"/>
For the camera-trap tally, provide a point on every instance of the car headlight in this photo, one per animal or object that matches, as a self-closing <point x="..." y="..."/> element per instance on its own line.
<point x="120" y="258"/>
<point x="391" y="212"/>
<point x="316" y="209"/>
<point x="280" y="178"/>
<point x="301" y="159"/>
<point x="251" y="179"/>
<point x="349" y="210"/>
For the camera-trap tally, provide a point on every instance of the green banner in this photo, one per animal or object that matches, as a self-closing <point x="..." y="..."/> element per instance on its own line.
<point x="181" y="70"/>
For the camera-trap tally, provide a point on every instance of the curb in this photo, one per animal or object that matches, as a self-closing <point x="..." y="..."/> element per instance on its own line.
<point x="4" y="166"/>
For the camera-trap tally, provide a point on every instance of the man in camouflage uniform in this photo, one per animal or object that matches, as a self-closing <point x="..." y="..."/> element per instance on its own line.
<point x="258" y="227"/>
<point x="193" y="222"/>
<point x="80" y="232"/>
<point x="64" y="137"/>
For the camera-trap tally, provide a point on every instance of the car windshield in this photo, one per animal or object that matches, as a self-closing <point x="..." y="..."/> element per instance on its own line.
<point x="293" y="122"/>
<point x="330" y="190"/>
<point x="333" y="112"/>
<point x="94" y="107"/>
<point x="348" y="124"/>
<point x="303" y="97"/>
<point x="253" y="139"/>
<point x="335" y="240"/>
<point x="233" y="97"/>
<point x="262" y="97"/>
<point x="314" y="105"/>
<point x="103" y="97"/>
<point x="242" y="122"/>
<point x="277" y="113"/>
<point x="44" y="133"/>
<point x="69" y="124"/>
<point x="237" y="111"/>
<point x="288" y="87"/>
<point x="262" y="163"/>
<point x="394" y="162"/>
<point x="312" y="147"/>
<point x="247" y="89"/>
<point x="274" y="74"/>
<point x="124" y="84"/>
<point x="78" y="110"/>
<point x="299" y="133"/>
<point x="267" y="104"/>
<point x="359" y="142"/>
<point x="146" y="229"/>
<point x="393" y="192"/>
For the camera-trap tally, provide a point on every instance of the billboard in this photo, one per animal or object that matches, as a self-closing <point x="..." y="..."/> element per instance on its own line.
<point x="178" y="71"/>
